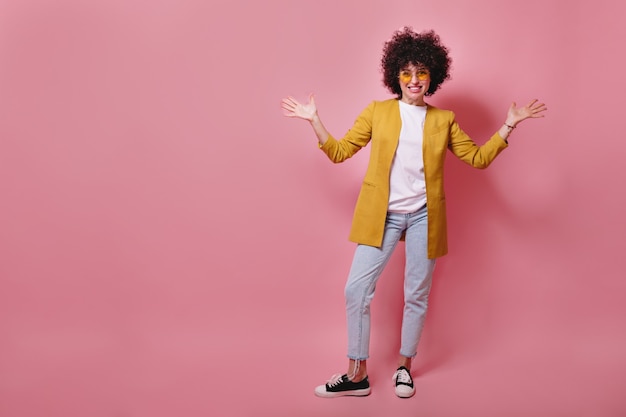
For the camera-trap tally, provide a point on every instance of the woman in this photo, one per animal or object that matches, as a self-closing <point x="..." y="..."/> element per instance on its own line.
<point x="402" y="195"/>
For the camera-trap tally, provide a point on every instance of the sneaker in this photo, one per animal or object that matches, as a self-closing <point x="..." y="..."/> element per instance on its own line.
<point x="404" y="383"/>
<point x="340" y="385"/>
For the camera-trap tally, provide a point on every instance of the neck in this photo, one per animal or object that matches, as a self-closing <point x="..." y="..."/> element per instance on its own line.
<point x="417" y="102"/>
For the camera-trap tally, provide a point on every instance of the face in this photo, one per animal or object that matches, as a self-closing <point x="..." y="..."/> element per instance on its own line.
<point x="414" y="82"/>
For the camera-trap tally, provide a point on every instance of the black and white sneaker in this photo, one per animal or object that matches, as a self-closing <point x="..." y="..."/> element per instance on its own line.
<point x="340" y="385"/>
<point x="404" y="383"/>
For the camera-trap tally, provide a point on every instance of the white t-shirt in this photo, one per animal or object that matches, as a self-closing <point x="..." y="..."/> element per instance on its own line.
<point x="407" y="187"/>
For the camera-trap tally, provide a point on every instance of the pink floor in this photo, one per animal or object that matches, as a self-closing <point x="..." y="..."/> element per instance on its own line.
<point x="193" y="377"/>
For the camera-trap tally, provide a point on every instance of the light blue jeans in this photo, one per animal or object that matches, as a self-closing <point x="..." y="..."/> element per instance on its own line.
<point x="367" y="266"/>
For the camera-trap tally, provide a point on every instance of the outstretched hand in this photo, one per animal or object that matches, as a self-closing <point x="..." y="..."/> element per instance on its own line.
<point x="531" y="110"/>
<point x="293" y="108"/>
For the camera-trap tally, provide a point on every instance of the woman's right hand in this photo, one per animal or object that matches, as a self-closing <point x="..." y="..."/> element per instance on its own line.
<point x="293" y="108"/>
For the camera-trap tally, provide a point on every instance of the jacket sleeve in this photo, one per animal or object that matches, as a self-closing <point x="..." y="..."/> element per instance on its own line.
<point x="356" y="138"/>
<point x="464" y="148"/>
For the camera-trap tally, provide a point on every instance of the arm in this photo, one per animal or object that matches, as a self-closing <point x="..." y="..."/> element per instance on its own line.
<point x="336" y="150"/>
<point x="465" y="149"/>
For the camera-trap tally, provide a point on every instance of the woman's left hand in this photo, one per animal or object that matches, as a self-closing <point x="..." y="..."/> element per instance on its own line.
<point x="530" y="111"/>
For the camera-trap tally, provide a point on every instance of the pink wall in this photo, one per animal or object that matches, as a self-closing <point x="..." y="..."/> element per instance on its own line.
<point x="172" y="245"/>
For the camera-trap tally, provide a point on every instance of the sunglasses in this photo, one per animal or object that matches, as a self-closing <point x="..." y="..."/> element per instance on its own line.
<point x="406" y="76"/>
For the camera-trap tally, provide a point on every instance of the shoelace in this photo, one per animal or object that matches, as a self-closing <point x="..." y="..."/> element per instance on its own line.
<point x="335" y="380"/>
<point x="403" y="376"/>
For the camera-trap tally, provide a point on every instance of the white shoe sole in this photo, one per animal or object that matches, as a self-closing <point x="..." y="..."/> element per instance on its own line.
<point x="320" y="391"/>
<point x="404" y="393"/>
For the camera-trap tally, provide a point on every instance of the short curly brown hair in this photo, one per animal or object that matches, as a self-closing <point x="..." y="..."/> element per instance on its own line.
<point x="408" y="47"/>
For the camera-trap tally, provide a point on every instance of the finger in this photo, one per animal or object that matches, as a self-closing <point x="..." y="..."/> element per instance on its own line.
<point x="532" y="102"/>
<point x="539" y="112"/>
<point x="539" y="108"/>
<point x="291" y="100"/>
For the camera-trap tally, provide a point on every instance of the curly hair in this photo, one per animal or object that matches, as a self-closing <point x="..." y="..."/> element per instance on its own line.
<point x="408" y="47"/>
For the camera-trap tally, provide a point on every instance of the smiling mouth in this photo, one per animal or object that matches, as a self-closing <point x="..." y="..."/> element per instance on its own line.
<point x="415" y="89"/>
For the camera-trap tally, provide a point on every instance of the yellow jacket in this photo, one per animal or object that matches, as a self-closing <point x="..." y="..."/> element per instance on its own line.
<point x="380" y="122"/>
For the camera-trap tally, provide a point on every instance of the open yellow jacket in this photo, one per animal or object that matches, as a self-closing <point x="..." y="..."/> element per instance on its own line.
<point x="380" y="122"/>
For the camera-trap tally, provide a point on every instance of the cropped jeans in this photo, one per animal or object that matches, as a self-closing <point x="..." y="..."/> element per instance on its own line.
<point x="367" y="266"/>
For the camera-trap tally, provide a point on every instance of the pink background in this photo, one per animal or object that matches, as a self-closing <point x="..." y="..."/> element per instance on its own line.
<point x="171" y="245"/>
